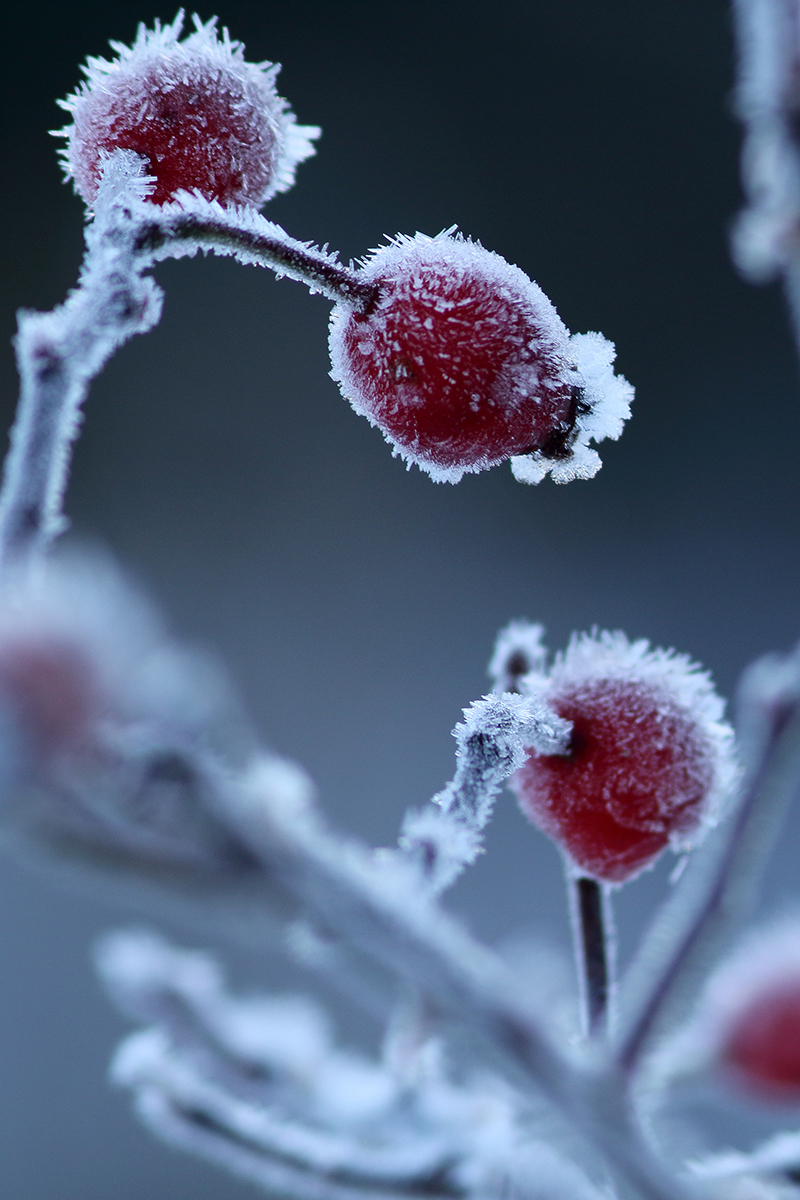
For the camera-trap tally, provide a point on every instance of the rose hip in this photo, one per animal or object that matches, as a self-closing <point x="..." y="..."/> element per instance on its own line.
<point x="202" y="117"/>
<point x="645" y="762"/>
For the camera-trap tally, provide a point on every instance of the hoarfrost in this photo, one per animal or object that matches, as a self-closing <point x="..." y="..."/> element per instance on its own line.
<point x="604" y="408"/>
<point x="257" y="1085"/>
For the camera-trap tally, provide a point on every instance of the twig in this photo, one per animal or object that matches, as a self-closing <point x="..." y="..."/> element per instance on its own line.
<point x="250" y="238"/>
<point x="591" y="926"/>
<point x="59" y="353"/>
<point x="492" y="740"/>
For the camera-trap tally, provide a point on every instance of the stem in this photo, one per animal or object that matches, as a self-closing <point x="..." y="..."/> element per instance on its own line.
<point x="591" y="922"/>
<point x="257" y="241"/>
<point x="58" y="354"/>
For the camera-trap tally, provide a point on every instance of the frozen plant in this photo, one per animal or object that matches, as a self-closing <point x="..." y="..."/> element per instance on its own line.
<point x="126" y="754"/>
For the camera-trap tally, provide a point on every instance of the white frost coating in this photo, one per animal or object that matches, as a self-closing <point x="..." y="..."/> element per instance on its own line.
<point x="127" y="81"/>
<point x="518" y="651"/>
<point x="140" y="969"/>
<point x="607" y="399"/>
<point x="318" y="1120"/>
<point x="59" y="352"/>
<point x="492" y="740"/>
<point x="779" y="1153"/>
<point x="239" y="221"/>
<point x="601" y="655"/>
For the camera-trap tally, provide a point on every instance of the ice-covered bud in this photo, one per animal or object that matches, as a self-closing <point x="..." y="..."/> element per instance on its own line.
<point x="203" y="118"/>
<point x="462" y="362"/>
<point x="649" y="762"/>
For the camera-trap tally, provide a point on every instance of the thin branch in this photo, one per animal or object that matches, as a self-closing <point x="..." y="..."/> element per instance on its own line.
<point x="59" y="353"/>
<point x="591" y="924"/>
<point x="246" y="235"/>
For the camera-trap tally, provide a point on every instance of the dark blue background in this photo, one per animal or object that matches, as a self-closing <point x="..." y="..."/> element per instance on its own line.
<point x="591" y="143"/>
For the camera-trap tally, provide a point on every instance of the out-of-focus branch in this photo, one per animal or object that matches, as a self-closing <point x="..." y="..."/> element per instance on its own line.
<point x="257" y="1084"/>
<point x="376" y="904"/>
<point x="766" y="240"/>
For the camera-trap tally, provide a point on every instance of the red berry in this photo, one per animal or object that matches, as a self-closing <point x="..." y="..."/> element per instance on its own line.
<point x="49" y="686"/>
<point x="762" y="1045"/>
<point x="201" y="116"/>
<point x="463" y="362"/>
<point x="647" y="760"/>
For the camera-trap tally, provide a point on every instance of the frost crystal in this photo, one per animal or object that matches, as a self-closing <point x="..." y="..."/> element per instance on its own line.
<point x="201" y="117"/>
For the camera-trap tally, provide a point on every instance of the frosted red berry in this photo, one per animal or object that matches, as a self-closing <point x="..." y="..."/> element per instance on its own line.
<point x="201" y="117"/>
<point x="762" y="1044"/>
<point x="462" y="361"/>
<point x="647" y="759"/>
<point x="49" y="687"/>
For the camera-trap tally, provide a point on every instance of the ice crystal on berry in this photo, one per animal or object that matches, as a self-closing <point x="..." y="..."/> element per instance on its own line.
<point x="202" y="117"/>
<point x="463" y="362"/>
<point x="649" y="759"/>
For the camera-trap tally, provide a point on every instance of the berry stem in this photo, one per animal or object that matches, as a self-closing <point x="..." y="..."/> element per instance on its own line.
<point x="591" y="923"/>
<point x="254" y="240"/>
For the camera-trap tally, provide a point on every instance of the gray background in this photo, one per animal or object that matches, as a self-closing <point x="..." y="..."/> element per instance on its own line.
<point x="356" y="603"/>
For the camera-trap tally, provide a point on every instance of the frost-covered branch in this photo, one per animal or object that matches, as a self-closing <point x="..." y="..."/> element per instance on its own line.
<point x="258" y="1085"/>
<point x="715" y="891"/>
<point x="59" y="353"/>
<point x="492" y="742"/>
<point x="191" y="224"/>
